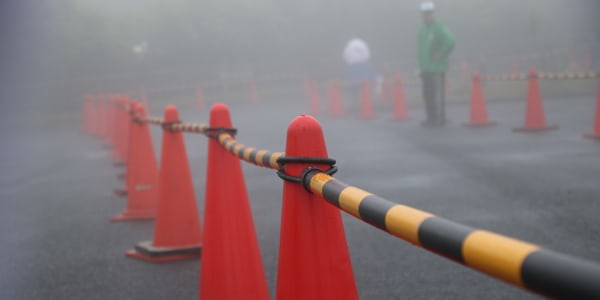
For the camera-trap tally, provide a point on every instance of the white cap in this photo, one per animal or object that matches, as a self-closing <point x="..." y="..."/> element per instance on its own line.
<point x="427" y="6"/>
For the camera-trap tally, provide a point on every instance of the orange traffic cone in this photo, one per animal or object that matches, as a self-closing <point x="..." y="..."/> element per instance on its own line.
<point x="125" y="119"/>
<point x="121" y="131"/>
<point x="125" y="127"/>
<point x="313" y="254"/>
<point x="596" y="134"/>
<point x="534" y="116"/>
<point x="315" y="101"/>
<point x="231" y="266"/>
<point x="366" y="108"/>
<point x="479" y="115"/>
<point x="199" y="98"/>
<point x="115" y="124"/>
<point x="122" y="141"/>
<point x="177" y="233"/>
<point x="334" y="98"/>
<point x="400" y="111"/>
<point x="142" y="173"/>
<point x="109" y="122"/>
<point x="253" y="92"/>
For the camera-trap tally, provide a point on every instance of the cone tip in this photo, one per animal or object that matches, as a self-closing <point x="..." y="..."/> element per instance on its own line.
<point x="138" y="107"/>
<point x="305" y="137"/>
<point x="171" y="113"/>
<point x="219" y="115"/>
<point x="532" y="71"/>
<point x="304" y="122"/>
<point x="219" y="107"/>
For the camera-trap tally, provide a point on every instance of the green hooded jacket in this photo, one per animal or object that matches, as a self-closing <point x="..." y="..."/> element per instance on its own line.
<point x="434" y="40"/>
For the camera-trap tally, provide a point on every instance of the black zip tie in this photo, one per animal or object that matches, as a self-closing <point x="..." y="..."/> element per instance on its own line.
<point x="306" y="184"/>
<point x="213" y="132"/>
<point x="282" y="161"/>
<point x="167" y="125"/>
<point x="136" y="117"/>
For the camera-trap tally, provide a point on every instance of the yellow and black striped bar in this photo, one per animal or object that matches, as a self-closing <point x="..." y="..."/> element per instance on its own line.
<point x="516" y="262"/>
<point x="184" y="127"/>
<point x="542" y="75"/>
<point x="505" y="77"/>
<point x="568" y="75"/>
<point x="149" y="120"/>
<point x="261" y="158"/>
<point x="189" y="127"/>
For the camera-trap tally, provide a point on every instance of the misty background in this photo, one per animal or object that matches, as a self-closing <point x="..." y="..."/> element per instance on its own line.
<point x="69" y="47"/>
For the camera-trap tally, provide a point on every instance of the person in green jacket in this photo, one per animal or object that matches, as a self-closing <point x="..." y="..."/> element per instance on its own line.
<point x="436" y="42"/>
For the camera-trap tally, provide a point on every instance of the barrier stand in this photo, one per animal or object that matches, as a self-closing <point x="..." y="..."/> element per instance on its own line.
<point x="516" y="262"/>
<point x="534" y="118"/>
<point x="595" y="135"/>
<point x="108" y="122"/>
<point x="541" y="75"/>
<point x="142" y="173"/>
<point x="121" y="149"/>
<point x="231" y="266"/>
<point x="124" y="109"/>
<point x="535" y="121"/>
<point x="400" y="111"/>
<point x="117" y="133"/>
<point x="99" y="120"/>
<point x="177" y="232"/>
<point x="479" y="116"/>
<point x="310" y="229"/>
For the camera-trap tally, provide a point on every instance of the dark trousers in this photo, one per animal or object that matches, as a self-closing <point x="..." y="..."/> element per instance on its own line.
<point x="434" y="96"/>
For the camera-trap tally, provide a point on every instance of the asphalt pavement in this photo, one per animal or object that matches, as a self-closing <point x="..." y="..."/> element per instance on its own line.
<point x="56" y="197"/>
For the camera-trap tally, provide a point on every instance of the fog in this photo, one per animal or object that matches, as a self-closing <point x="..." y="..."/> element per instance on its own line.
<point x="108" y="46"/>
<point x="57" y="182"/>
